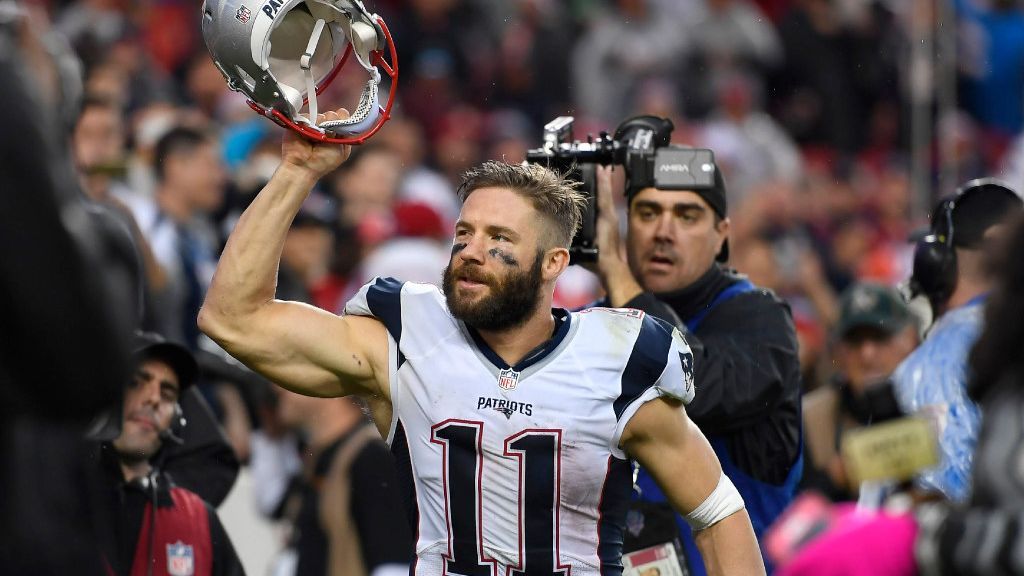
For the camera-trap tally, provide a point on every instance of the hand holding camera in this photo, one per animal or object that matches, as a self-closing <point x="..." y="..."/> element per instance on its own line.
<point x="641" y="146"/>
<point x="611" y="264"/>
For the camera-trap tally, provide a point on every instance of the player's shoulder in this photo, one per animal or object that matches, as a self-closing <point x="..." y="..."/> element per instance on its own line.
<point x="386" y="290"/>
<point x="633" y="319"/>
<point x="390" y="300"/>
<point x="651" y="354"/>
<point x="612" y="316"/>
<point x="634" y="336"/>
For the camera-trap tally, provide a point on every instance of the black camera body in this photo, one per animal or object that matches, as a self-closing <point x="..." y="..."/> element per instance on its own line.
<point x="641" y="146"/>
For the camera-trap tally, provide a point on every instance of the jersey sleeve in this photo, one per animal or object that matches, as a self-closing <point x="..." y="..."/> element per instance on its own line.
<point x="660" y="365"/>
<point x="380" y="298"/>
<point x="677" y="380"/>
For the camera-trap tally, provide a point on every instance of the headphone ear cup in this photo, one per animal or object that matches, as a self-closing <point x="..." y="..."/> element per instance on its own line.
<point x="177" y="426"/>
<point x="934" y="269"/>
<point x="178" y="421"/>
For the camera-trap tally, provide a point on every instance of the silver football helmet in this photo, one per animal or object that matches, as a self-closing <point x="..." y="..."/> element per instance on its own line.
<point x="283" y="53"/>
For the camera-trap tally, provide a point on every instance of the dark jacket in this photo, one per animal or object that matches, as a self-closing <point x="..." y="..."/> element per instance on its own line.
<point x="352" y="482"/>
<point x="747" y="378"/>
<point x="184" y="532"/>
<point x="746" y="367"/>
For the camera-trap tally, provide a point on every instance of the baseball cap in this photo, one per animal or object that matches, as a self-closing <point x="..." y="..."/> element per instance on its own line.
<point x="715" y="197"/>
<point x="150" y="345"/>
<point x="868" y="304"/>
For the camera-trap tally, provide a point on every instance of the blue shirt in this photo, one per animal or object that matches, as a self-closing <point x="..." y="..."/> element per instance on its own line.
<point x="933" y="380"/>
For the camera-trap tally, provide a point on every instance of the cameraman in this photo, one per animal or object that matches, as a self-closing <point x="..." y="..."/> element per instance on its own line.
<point x="743" y="339"/>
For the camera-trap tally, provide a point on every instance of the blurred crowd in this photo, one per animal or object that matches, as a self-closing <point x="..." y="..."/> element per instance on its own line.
<point x="805" y="103"/>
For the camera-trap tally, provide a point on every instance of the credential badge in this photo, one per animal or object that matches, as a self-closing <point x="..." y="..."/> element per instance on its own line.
<point x="180" y="560"/>
<point x="508" y="379"/>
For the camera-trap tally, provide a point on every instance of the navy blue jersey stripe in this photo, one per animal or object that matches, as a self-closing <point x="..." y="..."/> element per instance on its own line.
<point x="563" y="320"/>
<point x="406" y="480"/>
<point x="384" y="298"/>
<point x="612" y="515"/>
<point x="646" y="362"/>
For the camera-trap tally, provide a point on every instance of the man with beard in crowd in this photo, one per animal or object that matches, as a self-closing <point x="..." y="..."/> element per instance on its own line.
<point x="519" y="420"/>
<point x="158" y="527"/>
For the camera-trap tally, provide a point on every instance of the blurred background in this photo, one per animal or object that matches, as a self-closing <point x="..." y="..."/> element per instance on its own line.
<point x="837" y="124"/>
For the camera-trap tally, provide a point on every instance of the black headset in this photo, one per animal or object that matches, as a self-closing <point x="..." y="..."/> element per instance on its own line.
<point x="935" y="257"/>
<point x="178" y="422"/>
<point x="935" y="268"/>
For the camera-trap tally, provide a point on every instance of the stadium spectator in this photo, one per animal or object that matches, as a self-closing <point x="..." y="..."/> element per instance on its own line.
<point x="876" y="332"/>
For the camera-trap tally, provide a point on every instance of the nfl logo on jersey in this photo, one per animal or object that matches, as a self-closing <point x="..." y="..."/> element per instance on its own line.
<point x="243" y="14"/>
<point x="180" y="561"/>
<point x="508" y="379"/>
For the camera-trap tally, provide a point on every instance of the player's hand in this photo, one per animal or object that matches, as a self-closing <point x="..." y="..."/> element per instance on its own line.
<point x="316" y="158"/>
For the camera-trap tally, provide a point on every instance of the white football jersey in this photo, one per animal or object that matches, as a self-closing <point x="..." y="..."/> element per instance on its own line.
<point x="516" y="470"/>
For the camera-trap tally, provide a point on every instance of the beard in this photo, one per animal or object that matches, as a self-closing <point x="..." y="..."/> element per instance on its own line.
<point x="511" y="301"/>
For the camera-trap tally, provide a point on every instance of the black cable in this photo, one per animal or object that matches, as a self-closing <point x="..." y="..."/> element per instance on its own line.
<point x="151" y="478"/>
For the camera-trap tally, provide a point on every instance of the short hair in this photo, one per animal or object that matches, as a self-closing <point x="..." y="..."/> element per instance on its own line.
<point x="550" y="192"/>
<point x="178" y="140"/>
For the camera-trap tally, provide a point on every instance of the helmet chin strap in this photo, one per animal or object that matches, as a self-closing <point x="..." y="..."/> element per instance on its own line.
<point x="362" y="35"/>
<point x="306" y="62"/>
<point x="363" y="38"/>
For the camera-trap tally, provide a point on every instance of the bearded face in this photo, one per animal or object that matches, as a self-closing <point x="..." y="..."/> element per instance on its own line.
<point x="492" y="302"/>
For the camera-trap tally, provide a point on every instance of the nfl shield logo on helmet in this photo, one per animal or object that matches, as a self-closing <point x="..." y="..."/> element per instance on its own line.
<point x="180" y="561"/>
<point x="508" y="379"/>
<point x="243" y="15"/>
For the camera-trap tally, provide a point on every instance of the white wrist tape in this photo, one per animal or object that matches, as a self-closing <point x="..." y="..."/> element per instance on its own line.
<point x="722" y="502"/>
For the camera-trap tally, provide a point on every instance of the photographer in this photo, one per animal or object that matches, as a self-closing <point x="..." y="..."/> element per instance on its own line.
<point x="747" y="372"/>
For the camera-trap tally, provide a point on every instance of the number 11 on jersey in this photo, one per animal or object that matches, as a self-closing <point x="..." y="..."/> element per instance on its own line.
<point x="538" y="452"/>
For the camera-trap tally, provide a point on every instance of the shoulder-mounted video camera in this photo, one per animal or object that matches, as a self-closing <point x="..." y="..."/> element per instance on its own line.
<point x="641" y="145"/>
